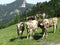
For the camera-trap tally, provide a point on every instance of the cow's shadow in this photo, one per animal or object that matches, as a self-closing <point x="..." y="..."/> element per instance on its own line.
<point x="23" y="37"/>
<point x="51" y="32"/>
<point x="37" y="36"/>
<point x="15" y="38"/>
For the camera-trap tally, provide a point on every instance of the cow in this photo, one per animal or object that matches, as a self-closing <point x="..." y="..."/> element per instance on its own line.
<point x="31" y="27"/>
<point x="40" y="15"/>
<point x="46" y="23"/>
<point x="31" y="18"/>
<point x="20" y="29"/>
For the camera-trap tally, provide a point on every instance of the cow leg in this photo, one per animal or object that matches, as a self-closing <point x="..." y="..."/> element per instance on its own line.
<point x="18" y="31"/>
<point x="43" y="33"/>
<point x="54" y="28"/>
<point x="34" y="32"/>
<point x="28" y="34"/>
<point x="20" y="34"/>
<point x="46" y="33"/>
<point x="31" y="32"/>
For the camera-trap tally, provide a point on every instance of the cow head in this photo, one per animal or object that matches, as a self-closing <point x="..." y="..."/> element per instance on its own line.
<point x="20" y="29"/>
<point x="40" y="24"/>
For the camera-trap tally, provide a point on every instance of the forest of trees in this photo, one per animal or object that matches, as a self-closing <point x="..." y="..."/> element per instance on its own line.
<point x="51" y="8"/>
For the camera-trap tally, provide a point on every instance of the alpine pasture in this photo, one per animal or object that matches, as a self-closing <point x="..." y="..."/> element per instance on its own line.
<point x="8" y="36"/>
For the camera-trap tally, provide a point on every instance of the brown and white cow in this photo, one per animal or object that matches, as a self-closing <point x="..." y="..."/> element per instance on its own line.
<point x="39" y="15"/>
<point x="46" y="23"/>
<point x="31" y="18"/>
<point x="31" y="27"/>
<point x="20" y="29"/>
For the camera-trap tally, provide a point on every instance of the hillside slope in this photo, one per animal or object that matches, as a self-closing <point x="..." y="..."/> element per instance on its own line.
<point x="8" y="36"/>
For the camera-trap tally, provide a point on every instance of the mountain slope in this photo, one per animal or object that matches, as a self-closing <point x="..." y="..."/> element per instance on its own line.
<point x="7" y="12"/>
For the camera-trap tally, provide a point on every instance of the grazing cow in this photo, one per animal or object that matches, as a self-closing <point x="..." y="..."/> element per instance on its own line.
<point x="31" y="27"/>
<point x="31" y="18"/>
<point x="46" y="23"/>
<point x="40" y="15"/>
<point x="20" y="29"/>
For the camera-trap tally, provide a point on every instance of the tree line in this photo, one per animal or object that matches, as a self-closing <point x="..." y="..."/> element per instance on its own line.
<point x="51" y="8"/>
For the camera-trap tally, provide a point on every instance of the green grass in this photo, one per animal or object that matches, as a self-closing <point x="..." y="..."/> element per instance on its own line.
<point x="8" y="36"/>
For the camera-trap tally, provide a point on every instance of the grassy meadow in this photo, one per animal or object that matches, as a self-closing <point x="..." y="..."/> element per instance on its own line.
<point x="8" y="36"/>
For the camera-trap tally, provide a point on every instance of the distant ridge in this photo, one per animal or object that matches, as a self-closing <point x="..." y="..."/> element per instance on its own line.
<point x="7" y="12"/>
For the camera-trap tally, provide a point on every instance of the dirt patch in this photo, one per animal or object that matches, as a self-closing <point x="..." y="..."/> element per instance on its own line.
<point x="52" y="44"/>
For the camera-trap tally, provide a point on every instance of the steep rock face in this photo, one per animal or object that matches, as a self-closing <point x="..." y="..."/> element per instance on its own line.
<point x="7" y="12"/>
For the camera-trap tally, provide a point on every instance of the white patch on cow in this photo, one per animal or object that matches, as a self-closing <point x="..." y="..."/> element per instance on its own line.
<point x="45" y="20"/>
<point x="28" y="27"/>
<point x="41" y="24"/>
<point x="20" y="31"/>
<point x="18" y="25"/>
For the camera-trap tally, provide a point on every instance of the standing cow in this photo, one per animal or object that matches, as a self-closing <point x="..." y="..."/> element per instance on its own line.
<point x="39" y="15"/>
<point x="31" y="18"/>
<point x="20" y="29"/>
<point x="46" y="23"/>
<point x="31" y="27"/>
